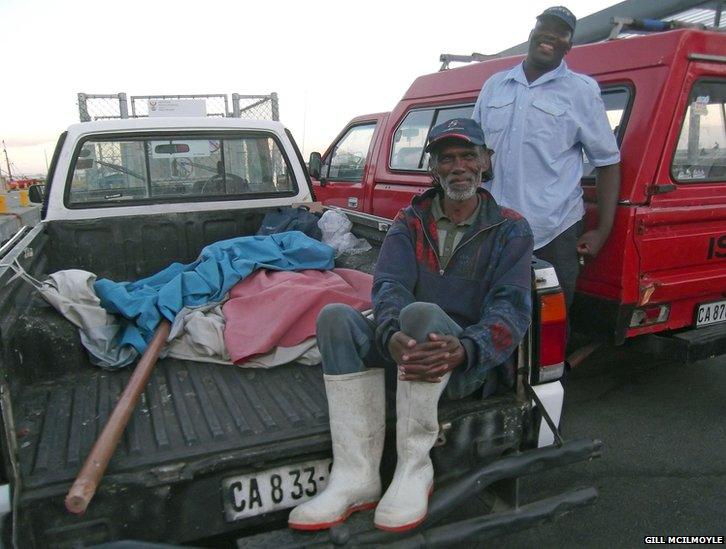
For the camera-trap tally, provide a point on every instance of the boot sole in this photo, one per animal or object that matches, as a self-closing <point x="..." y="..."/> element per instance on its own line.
<point x="404" y="527"/>
<point x="410" y="525"/>
<point x="339" y="520"/>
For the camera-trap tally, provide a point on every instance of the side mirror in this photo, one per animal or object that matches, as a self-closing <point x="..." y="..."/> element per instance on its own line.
<point x="315" y="164"/>
<point x="36" y="193"/>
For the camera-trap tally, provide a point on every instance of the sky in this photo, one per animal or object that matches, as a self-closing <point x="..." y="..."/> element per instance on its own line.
<point x="328" y="60"/>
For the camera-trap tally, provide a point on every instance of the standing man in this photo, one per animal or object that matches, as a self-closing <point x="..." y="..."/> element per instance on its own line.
<point x="540" y="117"/>
<point x="452" y="300"/>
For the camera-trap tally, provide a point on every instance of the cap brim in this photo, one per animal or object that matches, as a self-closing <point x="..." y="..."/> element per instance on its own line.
<point x="565" y="21"/>
<point x="448" y="136"/>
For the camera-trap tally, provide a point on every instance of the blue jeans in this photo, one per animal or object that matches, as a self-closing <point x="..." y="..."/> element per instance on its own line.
<point x="347" y="344"/>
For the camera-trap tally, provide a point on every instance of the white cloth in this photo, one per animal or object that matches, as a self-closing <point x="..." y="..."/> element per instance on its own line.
<point x="306" y="353"/>
<point x="198" y="334"/>
<point x="71" y="293"/>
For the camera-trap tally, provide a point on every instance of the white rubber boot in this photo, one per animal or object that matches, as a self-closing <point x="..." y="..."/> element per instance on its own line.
<point x="405" y="503"/>
<point x="356" y="403"/>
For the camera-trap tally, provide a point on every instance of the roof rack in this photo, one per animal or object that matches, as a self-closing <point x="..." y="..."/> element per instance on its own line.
<point x="652" y="25"/>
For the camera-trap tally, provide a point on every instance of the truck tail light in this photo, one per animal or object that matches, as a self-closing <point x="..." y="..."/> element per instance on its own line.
<point x="552" y="337"/>
<point x="645" y="316"/>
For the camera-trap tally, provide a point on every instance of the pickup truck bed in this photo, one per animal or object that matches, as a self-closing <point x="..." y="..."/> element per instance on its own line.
<point x="196" y="423"/>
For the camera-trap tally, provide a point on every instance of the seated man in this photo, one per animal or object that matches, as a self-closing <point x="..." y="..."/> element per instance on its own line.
<point x="451" y="295"/>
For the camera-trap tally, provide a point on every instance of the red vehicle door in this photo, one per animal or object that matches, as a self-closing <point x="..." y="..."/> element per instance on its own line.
<point x="681" y="233"/>
<point x="346" y="165"/>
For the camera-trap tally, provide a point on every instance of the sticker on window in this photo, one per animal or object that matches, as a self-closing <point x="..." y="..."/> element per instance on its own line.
<point x="700" y="105"/>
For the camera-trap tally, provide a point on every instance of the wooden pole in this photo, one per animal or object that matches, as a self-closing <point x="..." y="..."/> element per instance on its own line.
<point x="87" y="481"/>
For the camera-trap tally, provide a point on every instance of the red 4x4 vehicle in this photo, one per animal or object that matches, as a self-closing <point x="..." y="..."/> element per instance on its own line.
<point x="663" y="269"/>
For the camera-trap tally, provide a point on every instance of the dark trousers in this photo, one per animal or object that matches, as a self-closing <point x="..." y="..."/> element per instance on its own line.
<point x="562" y="254"/>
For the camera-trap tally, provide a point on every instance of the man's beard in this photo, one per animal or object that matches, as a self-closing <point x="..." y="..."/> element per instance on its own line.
<point x="459" y="195"/>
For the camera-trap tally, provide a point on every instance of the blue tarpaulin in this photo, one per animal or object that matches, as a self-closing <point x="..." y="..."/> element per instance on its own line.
<point x="208" y="279"/>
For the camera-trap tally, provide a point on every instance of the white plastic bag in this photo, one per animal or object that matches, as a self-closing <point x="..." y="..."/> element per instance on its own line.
<point x="335" y="227"/>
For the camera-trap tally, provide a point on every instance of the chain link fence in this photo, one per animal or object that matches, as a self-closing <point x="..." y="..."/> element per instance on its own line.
<point x="102" y="106"/>
<point x="265" y="107"/>
<point x="108" y="153"/>
<point x="110" y="106"/>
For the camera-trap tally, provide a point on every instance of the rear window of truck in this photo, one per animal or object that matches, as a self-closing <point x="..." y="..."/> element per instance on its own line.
<point x="174" y="168"/>
<point x="700" y="154"/>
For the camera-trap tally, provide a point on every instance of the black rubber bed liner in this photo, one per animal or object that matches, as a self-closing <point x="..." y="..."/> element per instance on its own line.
<point x="189" y="411"/>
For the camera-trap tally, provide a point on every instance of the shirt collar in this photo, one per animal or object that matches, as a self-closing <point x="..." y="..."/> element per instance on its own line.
<point x="490" y="214"/>
<point x="516" y="73"/>
<point x="437" y="211"/>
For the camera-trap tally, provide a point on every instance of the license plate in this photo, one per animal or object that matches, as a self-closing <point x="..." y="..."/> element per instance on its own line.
<point x="281" y="488"/>
<point x="711" y="313"/>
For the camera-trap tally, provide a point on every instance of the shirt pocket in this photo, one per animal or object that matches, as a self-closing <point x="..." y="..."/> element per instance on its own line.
<point x="550" y="128"/>
<point x="498" y="113"/>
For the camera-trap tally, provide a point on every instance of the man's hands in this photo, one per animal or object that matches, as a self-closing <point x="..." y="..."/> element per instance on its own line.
<point x="589" y="243"/>
<point x="427" y="361"/>
<point x="607" y="181"/>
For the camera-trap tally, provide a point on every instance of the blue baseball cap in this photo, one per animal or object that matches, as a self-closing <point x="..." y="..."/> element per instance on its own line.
<point x="561" y="13"/>
<point x="460" y="128"/>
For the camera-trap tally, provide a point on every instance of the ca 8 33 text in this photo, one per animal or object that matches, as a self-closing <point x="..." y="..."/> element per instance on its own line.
<point x="274" y="489"/>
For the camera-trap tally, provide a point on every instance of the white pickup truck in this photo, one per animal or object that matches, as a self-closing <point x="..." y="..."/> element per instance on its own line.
<point x="215" y="453"/>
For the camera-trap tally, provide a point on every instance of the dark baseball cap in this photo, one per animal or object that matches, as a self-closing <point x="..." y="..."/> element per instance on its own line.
<point x="562" y="13"/>
<point x="460" y="128"/>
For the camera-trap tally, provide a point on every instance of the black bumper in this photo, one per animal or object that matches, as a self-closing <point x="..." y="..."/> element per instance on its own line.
<point x="434" y="532"/>
<point x="687" y="346"/>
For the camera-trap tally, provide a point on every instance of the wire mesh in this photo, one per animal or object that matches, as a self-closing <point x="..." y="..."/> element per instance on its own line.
<point x="101" y="106"/>
<point x="106" y="106"/>
<point x="109" y="152"/>
<point x="259" y="107"/>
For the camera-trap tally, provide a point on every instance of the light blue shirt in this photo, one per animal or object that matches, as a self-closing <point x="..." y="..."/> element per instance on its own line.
<point x="539" y="132"/>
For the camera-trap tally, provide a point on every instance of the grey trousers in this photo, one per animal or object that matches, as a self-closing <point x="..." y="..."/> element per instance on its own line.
<point x="346" y="342"/>
<point x="562" y="254"/>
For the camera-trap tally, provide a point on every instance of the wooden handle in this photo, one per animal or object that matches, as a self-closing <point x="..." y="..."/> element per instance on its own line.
<point x="84" y="487"/>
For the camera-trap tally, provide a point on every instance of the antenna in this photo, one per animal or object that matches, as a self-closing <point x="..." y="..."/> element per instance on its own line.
<point x="7" y="163"/>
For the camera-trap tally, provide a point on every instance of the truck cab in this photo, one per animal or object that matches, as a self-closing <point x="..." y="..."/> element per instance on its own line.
<point x="661" y="273"/>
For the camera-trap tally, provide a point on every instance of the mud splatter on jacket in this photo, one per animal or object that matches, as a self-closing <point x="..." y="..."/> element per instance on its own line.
<point x="485" y="287"/>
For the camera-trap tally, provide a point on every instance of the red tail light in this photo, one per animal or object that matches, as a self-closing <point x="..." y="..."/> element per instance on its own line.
<point x="552" y="336"/>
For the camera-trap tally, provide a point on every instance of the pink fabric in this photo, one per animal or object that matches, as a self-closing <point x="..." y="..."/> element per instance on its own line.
<point x="273" y="308"/>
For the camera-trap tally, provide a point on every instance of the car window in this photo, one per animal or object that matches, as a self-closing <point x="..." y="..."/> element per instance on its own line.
<point x="348" y="159"/>
<point x="178" y="168"/>
<point x="617" y="101"/>
<point x="409" y="140"/>
<point x="700" y="154"/>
